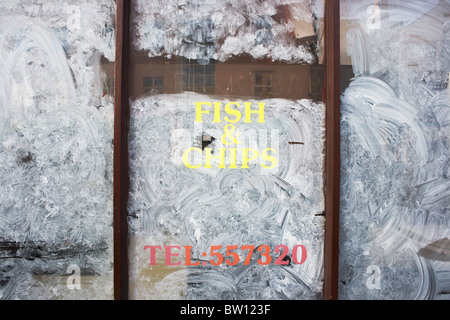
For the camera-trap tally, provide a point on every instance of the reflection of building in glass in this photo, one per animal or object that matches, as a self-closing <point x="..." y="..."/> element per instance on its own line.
<point x="153" y="85"/>
<point x="263" y="84"/>
<point x="238" y="77"/>
<point x="198" y="76"/>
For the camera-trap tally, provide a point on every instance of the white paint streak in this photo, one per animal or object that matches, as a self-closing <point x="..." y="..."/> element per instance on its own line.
<point x="395" y="181"/>
<point x="222" y="29"/>
<point x="55" y="148"/>
<point x="206" y="207"/>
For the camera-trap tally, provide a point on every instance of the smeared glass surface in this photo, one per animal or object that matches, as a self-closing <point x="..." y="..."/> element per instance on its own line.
<point x="173" y="205"/>
<point x="226" y="51"/>
<point x="215" y="29"/>
<point x="55" y="149"/>
<point x="395" y="139"/>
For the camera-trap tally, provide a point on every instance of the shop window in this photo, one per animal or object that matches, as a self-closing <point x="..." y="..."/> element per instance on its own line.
<point x="56" y="135"/>
<point x="393" y="215"/>
<point x="242" y="89"/>
<point x="226" y="62"/>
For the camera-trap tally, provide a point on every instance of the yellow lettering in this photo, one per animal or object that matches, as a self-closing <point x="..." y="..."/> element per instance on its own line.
<point x="229" y="110"/>
<point x="186" y="155"/>
<point x="200" y="111"/>
<point x="266" y="157"/>
<point x="246" y="159"/>
<point x="233" y="156"/>
<point x="217" y="106"/>
<point x="210" y="157"/>
<point x="249" y="111"/>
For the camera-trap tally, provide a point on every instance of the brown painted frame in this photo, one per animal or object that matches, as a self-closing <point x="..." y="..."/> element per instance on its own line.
<point x="332" y="152"/>
<point x="121" y="161"/>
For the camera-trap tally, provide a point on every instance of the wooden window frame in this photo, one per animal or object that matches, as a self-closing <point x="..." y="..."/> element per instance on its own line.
<point x="332" y="151"/>
<point x="121" y="153"/>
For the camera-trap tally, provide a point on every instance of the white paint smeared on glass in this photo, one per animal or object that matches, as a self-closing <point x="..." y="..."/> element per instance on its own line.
<point x="171" y="204"/>
<point x="55" y="149"/>
<point x="395" y="138"/>
<point x="215" y="29"/>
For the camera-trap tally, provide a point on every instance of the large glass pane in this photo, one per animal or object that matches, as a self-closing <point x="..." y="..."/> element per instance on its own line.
<point x="395" y="150"/>
<point x="56" y="112"/>
<point x="227" y="141"/>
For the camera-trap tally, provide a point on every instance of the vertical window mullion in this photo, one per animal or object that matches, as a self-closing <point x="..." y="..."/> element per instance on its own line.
<point x="121" y="165"/>
<point x="332" y="155"/>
